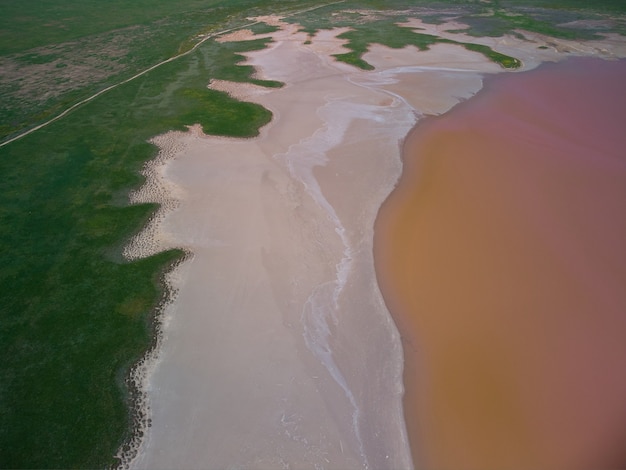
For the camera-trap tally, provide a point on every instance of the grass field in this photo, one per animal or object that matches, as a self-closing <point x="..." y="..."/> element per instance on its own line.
<point x="75" y="316"/>
<point x="64" y="51"/>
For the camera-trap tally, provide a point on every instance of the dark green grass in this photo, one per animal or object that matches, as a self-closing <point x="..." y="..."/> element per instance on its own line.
<point x="494" y="18"/>
<point x="229" y="60"/>
<point x="74" y="316"/>
<point x="386" y="32"/>
<point x="113" y="47"/>
<point x="502" y="22"/>
<point x="546" y="17"/>
<point x="262" y="28"/>
<point x="605" y="6"/>
<point x="31" y="23"/>
<point x="504" y="60"/>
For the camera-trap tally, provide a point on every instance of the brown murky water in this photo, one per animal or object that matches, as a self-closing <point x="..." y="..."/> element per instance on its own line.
<point x="502" y="257"/>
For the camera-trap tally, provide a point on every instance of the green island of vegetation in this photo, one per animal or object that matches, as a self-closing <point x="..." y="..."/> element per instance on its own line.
<point x="75" y="316"/>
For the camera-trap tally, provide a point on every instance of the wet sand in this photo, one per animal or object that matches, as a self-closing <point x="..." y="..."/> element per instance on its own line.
<point x="278" y="351"/>
<point x="501" y="257"/>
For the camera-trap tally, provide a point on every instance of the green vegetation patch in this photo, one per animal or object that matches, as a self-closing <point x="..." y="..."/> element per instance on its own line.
<point x="387" y="33"/>
<point x="374" y="21"/>
<point x="34" y="23"/>
<point x="501" y="22"/>
<point x="263" y="28"/>
<point x="504" y="60"/>
<point x="601" y="6"/>
<point x="567" y="19"/>
<point x="75" y="316"/>
<point x="230" y="62"/>
<point x="45" y="72"/>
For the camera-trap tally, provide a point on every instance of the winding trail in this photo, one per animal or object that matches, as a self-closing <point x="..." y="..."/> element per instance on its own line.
<point x="143" y="72"/>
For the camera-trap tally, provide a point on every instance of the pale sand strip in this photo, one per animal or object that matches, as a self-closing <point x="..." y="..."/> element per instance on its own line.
<point x="239" y="91"/>
<point x="278" y="351"/>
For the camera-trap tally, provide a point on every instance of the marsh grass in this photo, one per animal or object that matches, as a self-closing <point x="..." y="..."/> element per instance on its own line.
<point x="388" y="33"/>
<point x="55" y="61"/>
<point x="74" y="318"/>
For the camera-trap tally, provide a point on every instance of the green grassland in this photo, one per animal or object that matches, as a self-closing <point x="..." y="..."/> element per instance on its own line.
<point x="386" y="32"/>
<point x="32" y="23"/>
<point x="74" y="315"/>
<point x="61" y="52"/>
<point x="566" y="19"/>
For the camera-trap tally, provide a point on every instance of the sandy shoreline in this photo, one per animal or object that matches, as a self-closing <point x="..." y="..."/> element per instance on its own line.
<point x="278" y="351"/>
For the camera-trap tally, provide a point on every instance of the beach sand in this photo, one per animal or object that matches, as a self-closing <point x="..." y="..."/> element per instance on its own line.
<point x="501" y="255"/>
<point x="278" y="350"/>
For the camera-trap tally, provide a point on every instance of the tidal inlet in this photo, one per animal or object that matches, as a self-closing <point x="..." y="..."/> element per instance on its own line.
<point x="344" y="235"/>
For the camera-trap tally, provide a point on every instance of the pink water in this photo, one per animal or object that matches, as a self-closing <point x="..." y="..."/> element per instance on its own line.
<point x="502" y="257"/>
